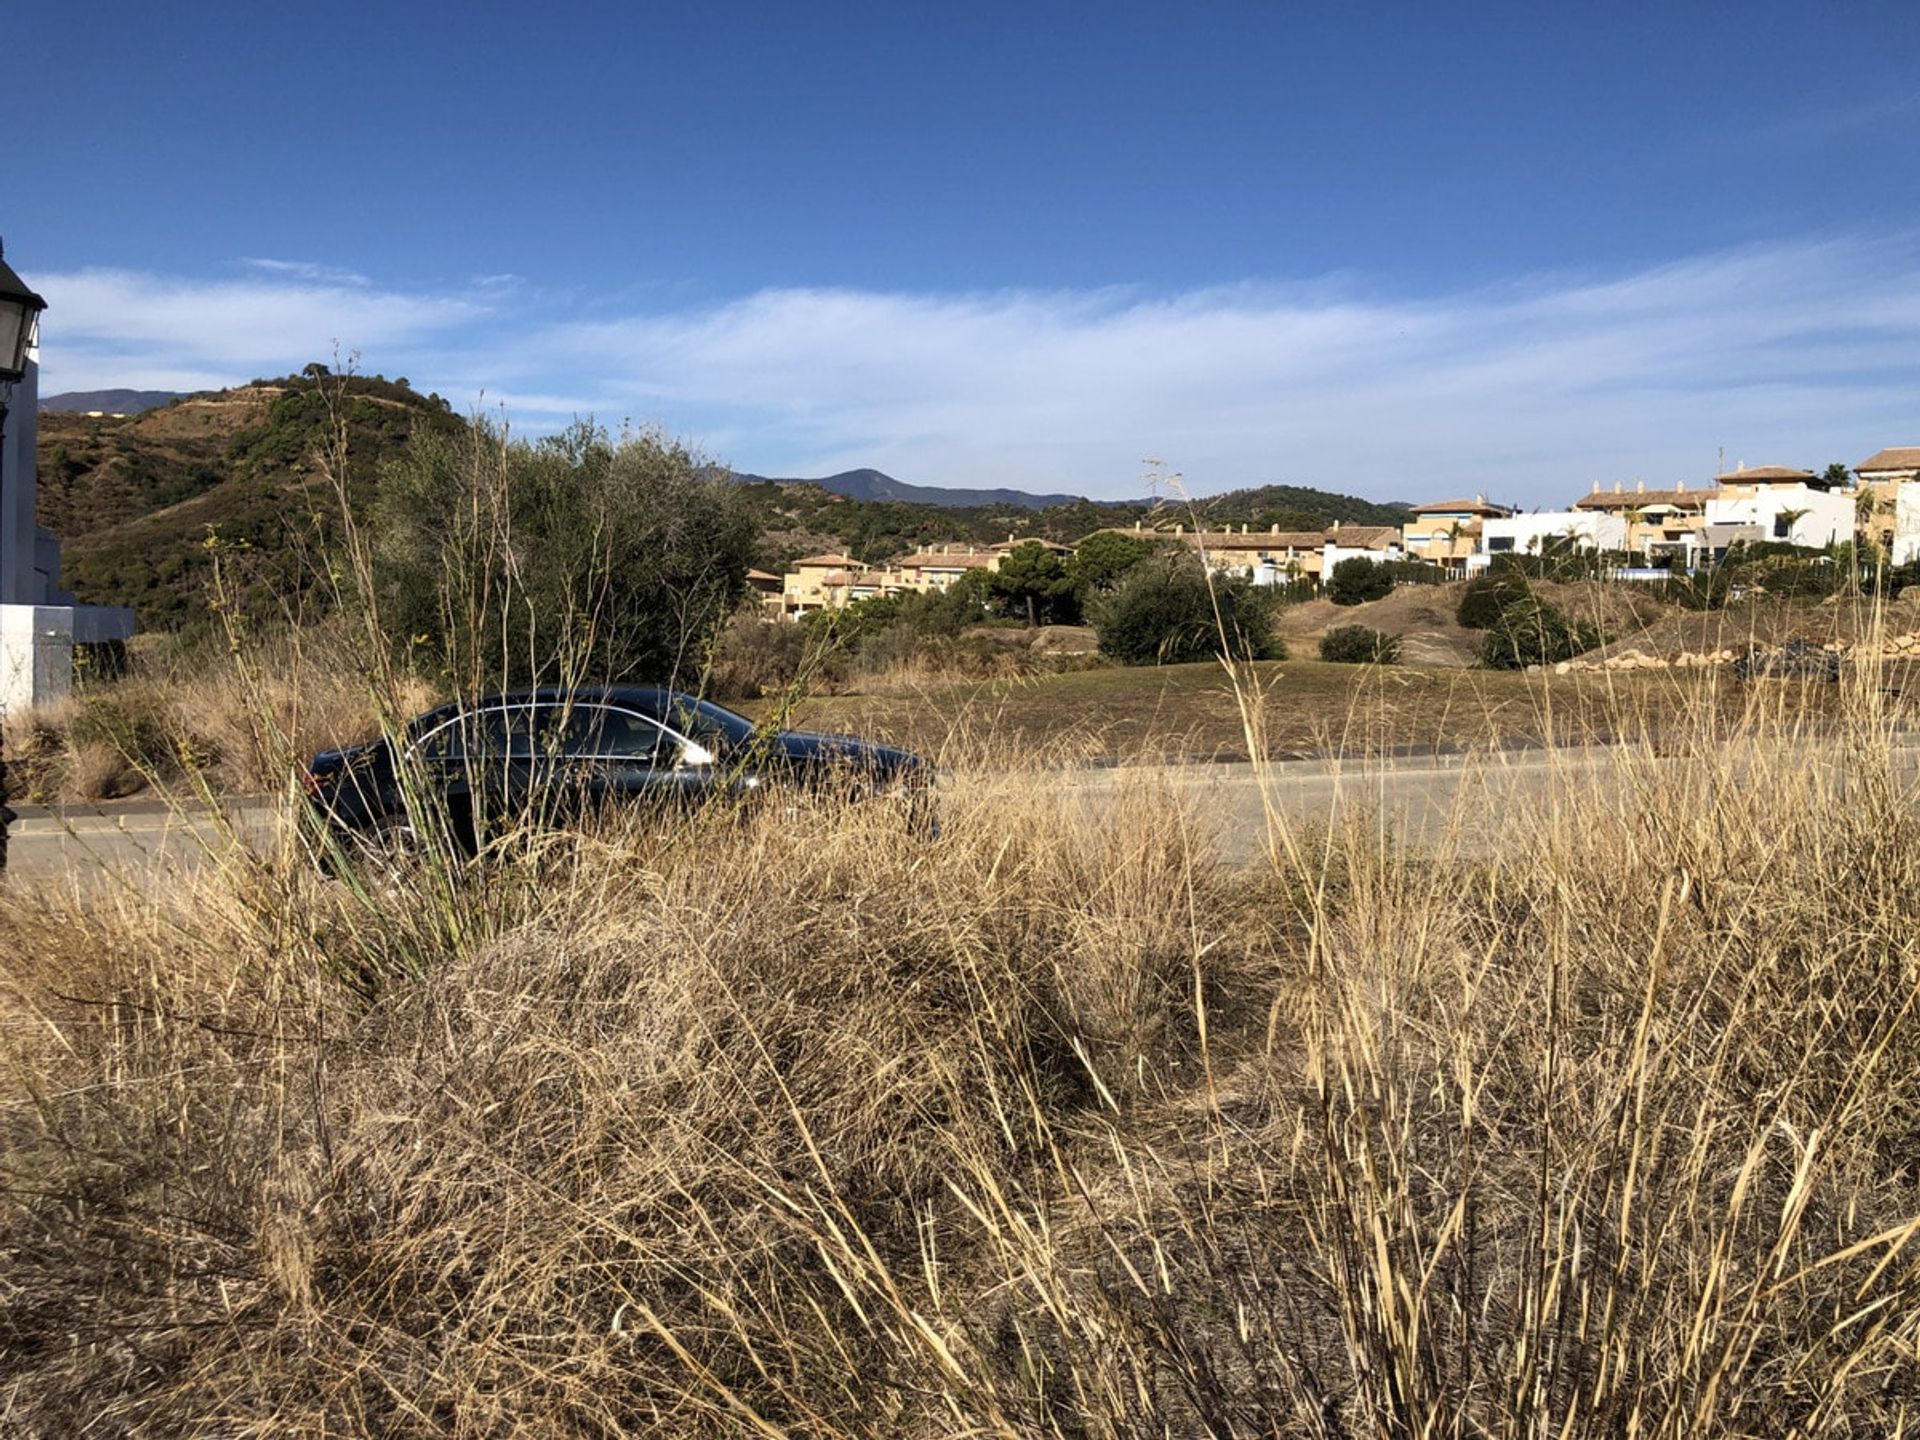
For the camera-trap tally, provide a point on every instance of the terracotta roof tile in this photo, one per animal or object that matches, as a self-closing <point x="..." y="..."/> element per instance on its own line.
<point x="1641" y="499"/>
<point x="1900" y="457"/>
<point x="947" y="560"/>
<point x="1762" y="474"/>
<point x="1469" y="507"/>
<point x="1365" y="537"/>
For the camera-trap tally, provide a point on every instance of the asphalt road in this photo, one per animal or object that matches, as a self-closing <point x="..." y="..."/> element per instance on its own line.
<point x="139" y="840"/>
<point x="1420" y="799"/>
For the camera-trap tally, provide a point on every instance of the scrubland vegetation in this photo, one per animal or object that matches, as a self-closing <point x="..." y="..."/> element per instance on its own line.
<point x="1598" y="1119"/>
<point x="1057" y="1125"/>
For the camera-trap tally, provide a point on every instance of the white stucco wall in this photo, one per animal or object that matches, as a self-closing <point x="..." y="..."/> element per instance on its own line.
<point x="1828" y="518"/>
<point x="1906" y="522"/>
<point x="1594" y="529"/>
<point x="1331" y="555"/>
<point x="36" y="655"/>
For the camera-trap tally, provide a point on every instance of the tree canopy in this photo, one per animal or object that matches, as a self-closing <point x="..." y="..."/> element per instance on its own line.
<point x="1034" y="581"/>
<point x="580" y="557"/>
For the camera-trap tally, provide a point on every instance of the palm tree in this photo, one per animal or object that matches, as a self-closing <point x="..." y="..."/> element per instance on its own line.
<point x="1867" y="505"/>
<point x="1785" y="520"/>
<point x="1633" y="515"/>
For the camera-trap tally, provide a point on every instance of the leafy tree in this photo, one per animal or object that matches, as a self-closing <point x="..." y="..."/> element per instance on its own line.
<point x="576" y="558"/>
<point x="1357" y="580"/>
<point x="1164" y="613"/>
<point x="1103" y="558"/>
<point x="1531" y="632"/>
<point x="1034" y="579"/>
<point x="1359" y="645"/>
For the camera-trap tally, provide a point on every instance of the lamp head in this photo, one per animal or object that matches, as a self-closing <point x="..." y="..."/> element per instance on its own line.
<point x="19" y="311"/>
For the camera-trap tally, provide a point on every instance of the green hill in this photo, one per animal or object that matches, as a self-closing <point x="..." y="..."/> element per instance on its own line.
<point x="136" y="500"/>
<point x="797" y="518"/>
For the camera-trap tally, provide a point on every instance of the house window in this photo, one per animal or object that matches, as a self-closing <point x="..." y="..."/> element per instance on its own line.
<point x="1782" y="527"/>
<point x="1500" y="542"/>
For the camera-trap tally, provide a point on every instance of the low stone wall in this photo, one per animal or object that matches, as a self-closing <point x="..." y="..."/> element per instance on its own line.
<point x="1889" y="647"/>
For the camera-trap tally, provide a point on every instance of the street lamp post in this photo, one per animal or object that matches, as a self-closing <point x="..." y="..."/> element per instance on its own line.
<point x="19" y="313"/>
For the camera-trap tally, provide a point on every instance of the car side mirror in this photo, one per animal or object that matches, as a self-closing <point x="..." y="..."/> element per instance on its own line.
<point x="695" y="754"/>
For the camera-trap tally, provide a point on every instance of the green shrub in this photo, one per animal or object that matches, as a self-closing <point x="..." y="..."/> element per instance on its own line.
<point x="1357" y="580"/>
<point x="1359" y="645"/>
<point x="1799" y="577"/>
<point x="1163" y="613"/>
<point x="1707" y="590"/>
<point x="1530" y="632"/>
<point x="1485" y="599"/>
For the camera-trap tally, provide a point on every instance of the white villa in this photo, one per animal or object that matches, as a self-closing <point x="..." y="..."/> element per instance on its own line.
<point x="1536" y="533"/>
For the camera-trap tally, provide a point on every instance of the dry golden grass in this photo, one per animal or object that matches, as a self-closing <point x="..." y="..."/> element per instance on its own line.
<point x="202" y="716"/>
<point x="1056" y="1126"/>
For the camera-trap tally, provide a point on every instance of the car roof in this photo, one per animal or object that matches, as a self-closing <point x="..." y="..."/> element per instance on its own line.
<point x="649" y="700"/>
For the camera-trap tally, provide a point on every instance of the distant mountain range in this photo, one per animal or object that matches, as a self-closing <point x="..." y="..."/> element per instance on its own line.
<point x="877" y="485"/>
<point x="111" y="402"/>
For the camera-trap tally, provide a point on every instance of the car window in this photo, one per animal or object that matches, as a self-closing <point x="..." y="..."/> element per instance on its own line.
<point x="614" y="733"/>
<point x="507" y="732"/>
<point x="714" y="726"/>
<point x="446" y="741"/>
<point x="498" y="732"/>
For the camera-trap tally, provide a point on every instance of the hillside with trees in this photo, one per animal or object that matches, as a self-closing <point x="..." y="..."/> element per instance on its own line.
<point x="798" y="518"/>
<point x="145" y="504"/>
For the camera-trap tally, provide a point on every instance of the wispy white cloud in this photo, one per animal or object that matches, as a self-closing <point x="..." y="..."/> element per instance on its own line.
<point x="306" y="270"/>
<point x="103" y="326"/>
<point x="1798" y="352"/>
<point x="1809" y="122"/>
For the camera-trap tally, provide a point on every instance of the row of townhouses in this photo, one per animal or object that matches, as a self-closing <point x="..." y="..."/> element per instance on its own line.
<point x="827" y="582"/>
<point x="1689" y="527"/>
<point x="1682" y="527"/>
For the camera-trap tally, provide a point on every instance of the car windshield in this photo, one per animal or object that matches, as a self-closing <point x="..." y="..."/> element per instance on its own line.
<point x="706" y="722"/>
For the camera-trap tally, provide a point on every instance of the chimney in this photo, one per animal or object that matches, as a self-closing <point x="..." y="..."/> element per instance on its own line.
<point x="1639" y="487"/>
<point x="1336" y="525"/>
<point x="1596" y="487"/>
<point x="1680" y="486"/>
<point x="1276" y="528"/>
<point x="1479" y="497"/>
<point x="1616" y="487"/>
<point x="1179" y="529"/>
<point x="1243" y="527"/>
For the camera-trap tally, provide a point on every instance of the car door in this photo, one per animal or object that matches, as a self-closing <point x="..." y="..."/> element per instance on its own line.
<point x="620" y="756"/>
<point x="482" y="766"/>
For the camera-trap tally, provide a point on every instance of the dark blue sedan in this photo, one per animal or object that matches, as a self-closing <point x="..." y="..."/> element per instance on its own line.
<point x="551" y="756"/>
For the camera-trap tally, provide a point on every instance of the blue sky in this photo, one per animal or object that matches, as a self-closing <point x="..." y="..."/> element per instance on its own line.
<point x="1387" y="249"/>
